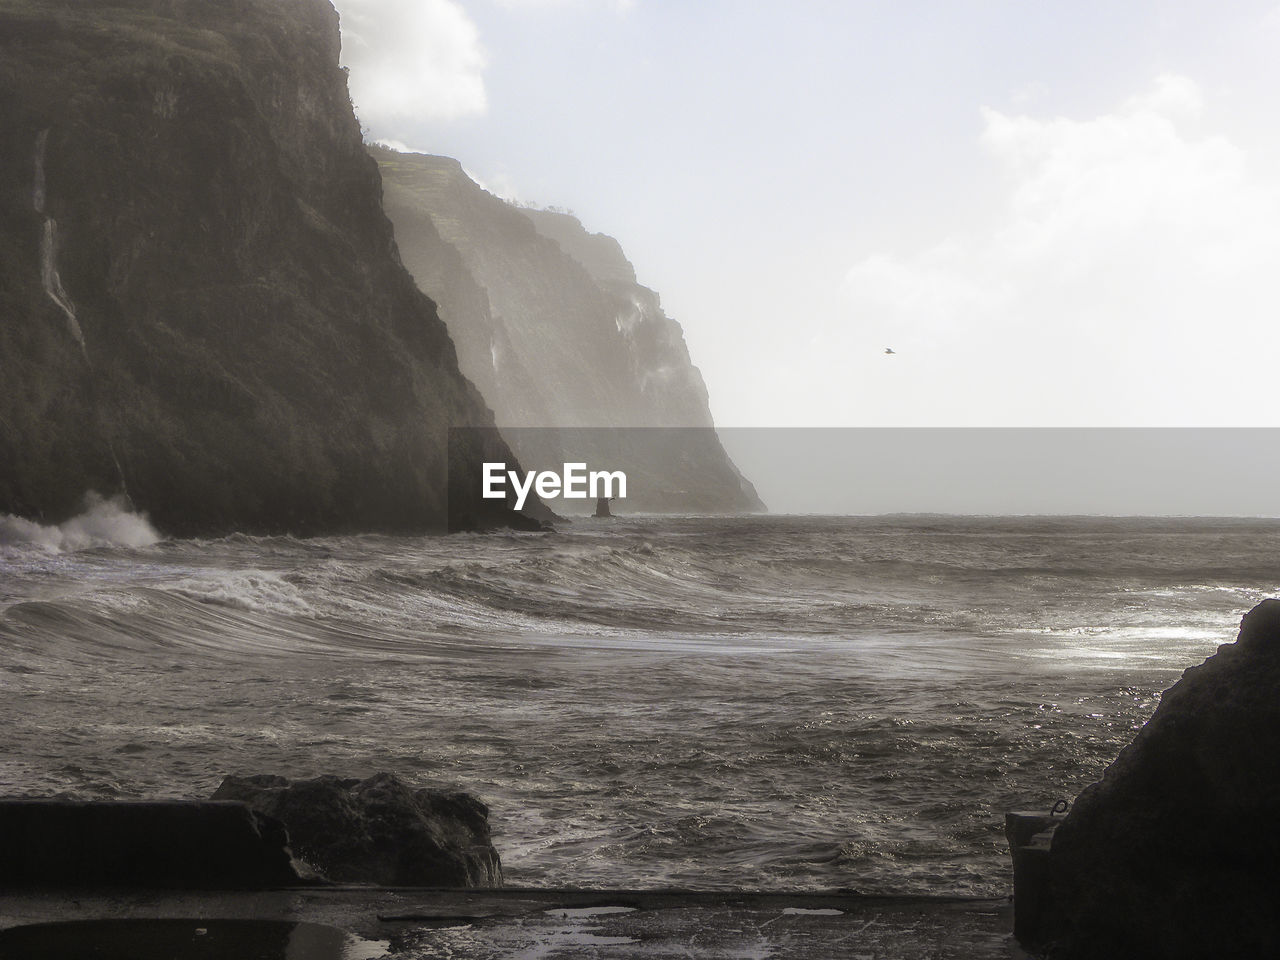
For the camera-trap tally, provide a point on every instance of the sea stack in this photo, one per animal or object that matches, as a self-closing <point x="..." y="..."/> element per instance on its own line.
<point x="1173" y="854"/>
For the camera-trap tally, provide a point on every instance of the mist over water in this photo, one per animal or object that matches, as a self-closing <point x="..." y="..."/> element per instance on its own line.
<point x="759" y="702"/>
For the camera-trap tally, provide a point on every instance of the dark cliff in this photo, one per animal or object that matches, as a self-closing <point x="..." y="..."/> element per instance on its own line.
<point x="1171" y="854"/>
<point x="552" y="326"/>
<point x="201" y="299"/>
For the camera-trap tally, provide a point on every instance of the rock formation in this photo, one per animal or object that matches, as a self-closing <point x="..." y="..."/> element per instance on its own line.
<point x="203" y="304"/>
<point x="162" y="843"/>
<point x="1172" y="854"/>
<point x="553" y="328"/>
<point x="377" y="830"/>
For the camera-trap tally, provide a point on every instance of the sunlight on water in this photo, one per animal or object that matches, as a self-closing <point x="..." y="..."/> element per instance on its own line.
<point x="737" y="702"/>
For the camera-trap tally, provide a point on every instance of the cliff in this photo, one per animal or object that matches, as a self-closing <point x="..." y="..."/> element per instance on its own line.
<point x="203" y="303"/>
<point x="552" y="326"/>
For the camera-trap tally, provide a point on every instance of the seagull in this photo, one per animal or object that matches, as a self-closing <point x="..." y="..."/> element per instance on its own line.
<point x="889" y="350"/>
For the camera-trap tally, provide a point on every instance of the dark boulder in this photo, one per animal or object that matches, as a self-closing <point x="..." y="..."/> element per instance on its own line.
<point x="171" y="843"/>
<point x="378" y="830"/>
<point x="1173" y="854"/>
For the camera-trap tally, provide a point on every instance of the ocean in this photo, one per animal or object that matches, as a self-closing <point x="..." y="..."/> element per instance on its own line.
<point x="758" y="702"/>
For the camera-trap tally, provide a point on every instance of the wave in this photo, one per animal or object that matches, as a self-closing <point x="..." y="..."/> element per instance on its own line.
<point x="414" y="597"/>
<point x="103" y="523"/>
<point x="709" y="702"/>
<point x="145" y="626"/>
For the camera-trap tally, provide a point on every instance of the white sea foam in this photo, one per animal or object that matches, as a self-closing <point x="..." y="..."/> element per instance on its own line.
<point x="255" y="591"/>
<point x="104" y="523"/>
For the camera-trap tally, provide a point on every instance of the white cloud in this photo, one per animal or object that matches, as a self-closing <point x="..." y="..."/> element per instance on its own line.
<point x="1129" y="278"/>
<point x="500" y="184"/>
<point x="617" y="6"/>
<point x="1171" y="96"/>
<point x="411" y="60"/>
<point x="398" y="145"/>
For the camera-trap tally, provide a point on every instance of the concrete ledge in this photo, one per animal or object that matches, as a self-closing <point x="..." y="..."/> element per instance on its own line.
<point x="487" y="924"/>
<point x="1030" y="835"/>
<point x="175" y="844"/>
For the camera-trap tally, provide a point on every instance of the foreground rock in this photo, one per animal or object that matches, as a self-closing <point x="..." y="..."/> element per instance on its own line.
<point x="378" y="830"/>
<point x="1174" y="853"/>
<point x="160" y="844"/>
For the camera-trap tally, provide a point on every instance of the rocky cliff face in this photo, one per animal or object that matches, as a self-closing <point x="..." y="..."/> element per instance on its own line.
<point x="1172" y="854"/>
<point x="202" y="300"/>
<point x="552" y="326"/>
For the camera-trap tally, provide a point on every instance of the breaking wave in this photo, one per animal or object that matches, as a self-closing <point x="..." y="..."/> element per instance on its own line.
<point x="104" y="522"/>
<point x="715" y="702"/>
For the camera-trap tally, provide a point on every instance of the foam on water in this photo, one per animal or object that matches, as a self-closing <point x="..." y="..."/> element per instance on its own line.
<point x="103" y="523"/>
<point x="735" y="702"/>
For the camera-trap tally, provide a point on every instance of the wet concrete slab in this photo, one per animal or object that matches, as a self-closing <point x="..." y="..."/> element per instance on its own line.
<point x="425" y="924"/>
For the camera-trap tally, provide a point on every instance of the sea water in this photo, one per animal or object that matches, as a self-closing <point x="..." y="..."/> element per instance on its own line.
<point x="762" y="702"/>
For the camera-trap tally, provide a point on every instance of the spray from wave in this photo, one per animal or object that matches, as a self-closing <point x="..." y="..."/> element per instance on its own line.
<point x="103" y="523"/>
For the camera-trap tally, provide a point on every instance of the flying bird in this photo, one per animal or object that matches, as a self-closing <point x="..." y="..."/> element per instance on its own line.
<point x="889" y="350"/>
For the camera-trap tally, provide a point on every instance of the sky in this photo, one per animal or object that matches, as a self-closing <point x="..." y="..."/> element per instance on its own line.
<point x="1055" y="214"/>
<point x="1126" y="471"/>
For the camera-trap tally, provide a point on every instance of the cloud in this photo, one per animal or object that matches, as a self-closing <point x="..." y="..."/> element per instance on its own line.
<point x="412" y="60"/>
<point x="617" y="6"/>
<point x="398" y="145"/>
<point x="1128" y="277"/>
<point x="500" y="184"/>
